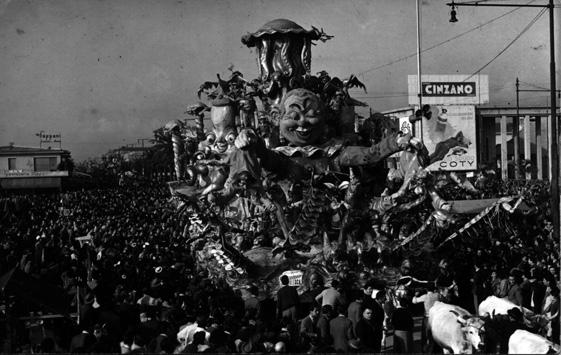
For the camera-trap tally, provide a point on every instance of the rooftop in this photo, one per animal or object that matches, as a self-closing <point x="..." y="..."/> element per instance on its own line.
<point x="16" y="150"/>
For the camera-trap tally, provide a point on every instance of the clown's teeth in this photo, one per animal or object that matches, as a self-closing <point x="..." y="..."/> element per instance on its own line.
<point x="302" y="129"/>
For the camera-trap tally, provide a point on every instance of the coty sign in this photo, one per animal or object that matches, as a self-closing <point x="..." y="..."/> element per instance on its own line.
<point x="448" y="89"/>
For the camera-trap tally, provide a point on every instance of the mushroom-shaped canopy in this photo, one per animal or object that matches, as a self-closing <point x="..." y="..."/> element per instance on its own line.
<point x="280" y="27"/>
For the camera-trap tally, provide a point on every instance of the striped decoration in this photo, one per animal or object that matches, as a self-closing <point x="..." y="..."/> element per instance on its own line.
<point x="477" y="218"/>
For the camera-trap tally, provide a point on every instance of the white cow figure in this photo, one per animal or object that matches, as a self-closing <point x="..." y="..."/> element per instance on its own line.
<point x="454" y="329"/>
<point x="524" y="342"/>
<point x="493" y="305"/>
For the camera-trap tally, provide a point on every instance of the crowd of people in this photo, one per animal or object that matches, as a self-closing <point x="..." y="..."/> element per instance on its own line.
<point x="121" y="258"/>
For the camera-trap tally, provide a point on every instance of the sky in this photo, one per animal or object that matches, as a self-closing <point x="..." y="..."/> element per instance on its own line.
<point x="105" y="73"/>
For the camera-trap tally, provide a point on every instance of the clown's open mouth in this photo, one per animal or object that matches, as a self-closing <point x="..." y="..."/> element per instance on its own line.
<point x="303" y="132"/>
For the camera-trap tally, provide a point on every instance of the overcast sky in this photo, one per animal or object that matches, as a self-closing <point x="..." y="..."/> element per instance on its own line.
<point x="106" y="72"/>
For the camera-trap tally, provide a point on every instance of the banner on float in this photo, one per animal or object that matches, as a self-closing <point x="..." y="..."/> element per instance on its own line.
<point x="450" y="137"/>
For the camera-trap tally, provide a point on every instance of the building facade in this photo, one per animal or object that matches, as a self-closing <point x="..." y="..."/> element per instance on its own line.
<point x="32" y="168"/>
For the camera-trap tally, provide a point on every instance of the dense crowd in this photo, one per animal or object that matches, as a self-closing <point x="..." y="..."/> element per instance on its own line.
<point x="136" y="287"/>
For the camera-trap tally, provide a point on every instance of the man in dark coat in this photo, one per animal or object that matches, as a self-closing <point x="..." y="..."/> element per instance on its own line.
<point x="287" y="300"/>
<point x="367" y="333"/>
<point x="308" y="325"/>
<point x="378" y="315"/>
<point x="323" y="325"/>
<point x="341" y="330"/>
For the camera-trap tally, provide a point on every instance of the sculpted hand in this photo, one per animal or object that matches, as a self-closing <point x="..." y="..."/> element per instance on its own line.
<point x="245" y="138"/>
<point x="403" y="140"/>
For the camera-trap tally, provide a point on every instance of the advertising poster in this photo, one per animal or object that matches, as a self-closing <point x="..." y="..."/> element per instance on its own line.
<point x="450" y="137"/>
<point x="405" y="126"/>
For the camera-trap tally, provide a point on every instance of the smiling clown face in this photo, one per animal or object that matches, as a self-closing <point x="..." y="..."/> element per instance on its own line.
<point x="303" y="117"/>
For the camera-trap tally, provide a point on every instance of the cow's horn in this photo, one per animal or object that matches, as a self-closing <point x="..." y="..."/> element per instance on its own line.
<point x="459" y="318"/>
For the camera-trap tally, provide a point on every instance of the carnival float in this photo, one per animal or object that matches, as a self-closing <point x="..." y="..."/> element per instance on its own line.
<point x="289" y="176"/>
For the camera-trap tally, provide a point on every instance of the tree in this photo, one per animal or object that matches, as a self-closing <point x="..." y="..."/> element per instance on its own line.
<point x="160" y="156"/>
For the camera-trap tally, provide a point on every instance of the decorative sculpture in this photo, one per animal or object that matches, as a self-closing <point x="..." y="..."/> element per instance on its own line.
<point x="275" y="184"/>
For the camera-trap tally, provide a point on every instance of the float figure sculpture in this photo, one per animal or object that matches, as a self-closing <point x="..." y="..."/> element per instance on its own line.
<point x="278" y="175"/>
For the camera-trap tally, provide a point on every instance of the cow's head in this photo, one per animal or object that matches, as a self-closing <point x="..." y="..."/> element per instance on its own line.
<point x="473" y="329"/>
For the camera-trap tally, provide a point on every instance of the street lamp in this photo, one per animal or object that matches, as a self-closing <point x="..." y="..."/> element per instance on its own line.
<point x="554" y="150"/>
<point x="453" y="17"/>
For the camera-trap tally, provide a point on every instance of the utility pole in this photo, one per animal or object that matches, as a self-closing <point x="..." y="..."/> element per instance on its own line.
<point x="516" y="133"/>
<point x="554" y="130"/>
<point x="419" y="80"/>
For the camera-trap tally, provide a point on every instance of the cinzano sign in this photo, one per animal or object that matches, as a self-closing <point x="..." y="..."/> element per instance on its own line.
<point x="449" y="89"/>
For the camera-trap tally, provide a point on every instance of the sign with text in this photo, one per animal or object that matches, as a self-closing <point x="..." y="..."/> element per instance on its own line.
<point x="450" y="137"/>
<point x="449" y="89"/>
<point x="48" y="138"/>
<point x="30" y="173"/>
<point x="295" y="277"/>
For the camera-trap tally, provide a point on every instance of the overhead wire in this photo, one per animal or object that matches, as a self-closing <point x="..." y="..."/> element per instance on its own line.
<point x="443" y="42"/>
<point x="533" y="85"/>
<point x="530" y="24"/>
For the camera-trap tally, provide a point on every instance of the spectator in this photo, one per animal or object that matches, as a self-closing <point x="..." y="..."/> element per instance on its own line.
<point x="537" y="290"/>
<point x="551" y="312"/>
<point x="479" y="290"/>
<point x="379" y="314"/>
<point x="323" y="325"/>
<point x="526" y="289"/>
<point x="402" y="321"/>
<point x="368" y="334"/>
<point x="330" y="296"/>
<point x="308" y="325"/>
<point x="428" y="299"/>
<point x="252" y="302"/>
<point x="354" y="311"/>
<point x="445" y="276"/>
<point x="499" y="283"/>
<point x="341" y="330"/>
<point x="514" y="291"/>
<point x="287" y="300"/>
<point x="367" y="299"/>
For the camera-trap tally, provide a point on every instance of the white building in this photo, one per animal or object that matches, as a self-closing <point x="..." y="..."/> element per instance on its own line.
<point x="31" y="168"/>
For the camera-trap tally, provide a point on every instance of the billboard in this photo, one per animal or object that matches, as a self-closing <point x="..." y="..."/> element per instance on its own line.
<point x="450" y="137"/>
<point x="449" y="89"/>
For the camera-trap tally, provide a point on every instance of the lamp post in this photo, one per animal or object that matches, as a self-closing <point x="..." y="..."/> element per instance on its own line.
<point x="554" y="147"/>
<point x="419" y="83"/>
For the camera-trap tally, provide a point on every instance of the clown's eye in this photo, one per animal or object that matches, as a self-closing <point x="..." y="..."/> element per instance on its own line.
<point x="211" y="138"/>
<point x="230" y="138"/>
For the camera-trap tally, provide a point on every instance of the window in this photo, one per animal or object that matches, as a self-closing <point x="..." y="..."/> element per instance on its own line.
<point x="12" y="164"/>
<point x="45" y="164"/>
